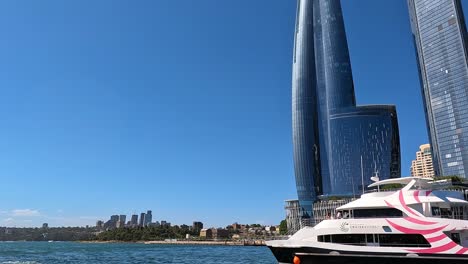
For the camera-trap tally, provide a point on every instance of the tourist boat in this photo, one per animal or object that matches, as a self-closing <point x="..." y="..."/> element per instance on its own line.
<point x="423" y="222"/>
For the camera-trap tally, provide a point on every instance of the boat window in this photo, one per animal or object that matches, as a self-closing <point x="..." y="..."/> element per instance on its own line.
<point x="386" y="240"/>
<point x="456" y="238"/>
<point x="435" y="211"/>
<point x="458" y="212"/>
<point x="325" y="238"/>
<point x="350" y="239"/>
<point x="446" y="213"/>
<point x="403" y="240"/>
<point x="384" y="212"/>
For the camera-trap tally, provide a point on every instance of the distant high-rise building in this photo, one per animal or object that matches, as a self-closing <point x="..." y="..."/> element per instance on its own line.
<point x="148" y="218"/>
<point x="440" y="38"/>
<point x="121" y="221"/>
<point x="112" y="223"/>
<point x="165" y="224"/>
<point x="142" y="219"/>
<point x="114" y="218"/>
<point x="134" y="220"/>
<point x="45" y="226"/>
<point x="422" y="166"/>
<point x="197" y="226"/>
<point x="332" y="136"/>
<point x="99" y="224"/>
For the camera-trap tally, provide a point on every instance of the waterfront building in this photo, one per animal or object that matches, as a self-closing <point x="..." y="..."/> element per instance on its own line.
<point x="422" y="166"/>
<point x="205" y="233"/>
<point x="99" y="224"/>
<point x="326" y="209"/>
<point x="219" y="233"/>
<point x="236" y="226"/>
<point x="440" y="37"/>
<point x="142" y="219"/>
<point x="293" y="216"/>
<point x="332" y="136"/>
<point x="148" y="218"/>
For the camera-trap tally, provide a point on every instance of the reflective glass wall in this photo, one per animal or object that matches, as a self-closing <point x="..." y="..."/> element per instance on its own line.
<point x="366" y="143"/>
<point x="440" y="36"/>
<point x="304" y="110"/>
<point x="325" y="112"/>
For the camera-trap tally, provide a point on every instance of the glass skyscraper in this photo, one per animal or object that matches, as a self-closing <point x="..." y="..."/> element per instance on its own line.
<point x="440" y="38"/>
<point x="331" y="135"/>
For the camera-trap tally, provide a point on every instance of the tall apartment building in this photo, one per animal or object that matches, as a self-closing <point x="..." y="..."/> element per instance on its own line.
<point x="422" y="166"/>
<point x="134" y="220"/>
<point x="148" y="218"/>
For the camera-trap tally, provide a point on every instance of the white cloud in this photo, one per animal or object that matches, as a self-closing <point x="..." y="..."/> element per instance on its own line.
<point x="8" y="220"/>
<point x="25" y="212"/>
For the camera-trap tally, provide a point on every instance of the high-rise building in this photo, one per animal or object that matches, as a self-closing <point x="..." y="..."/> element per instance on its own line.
<point x="121" y="221"/>
<point x="142" y="219"/>
<point x="134" y="220"/>
<point x="440" y="38"/>
<point x="332" y="136"/>
<point x="148" y="218"/>
<point x="422" y="166"/>
<point x="112" y="223"/>
<point x="197" y="226"/>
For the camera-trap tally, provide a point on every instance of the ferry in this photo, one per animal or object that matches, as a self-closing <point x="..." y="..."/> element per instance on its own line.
<point x="422" y="223"/>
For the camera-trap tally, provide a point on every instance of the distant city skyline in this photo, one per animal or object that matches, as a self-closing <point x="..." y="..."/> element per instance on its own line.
<point x="115" y="108"/>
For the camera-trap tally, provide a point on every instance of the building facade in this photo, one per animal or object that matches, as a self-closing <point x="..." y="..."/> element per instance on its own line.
<point x="141" y="222"/>
<point x="440" y="39"/>
<point x="134" y="220"/>
<point x="422" y="166"/>
<point x="326" y="120"/>
<point x="197" y="226"/>
<point x="148" y="218"/>
<point x="293" y="216"/>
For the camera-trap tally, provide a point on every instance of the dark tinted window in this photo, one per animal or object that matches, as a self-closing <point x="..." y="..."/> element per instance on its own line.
<point x="368" y="213"/>
<point x="403" y="240"/>
<point x="386" y="240"/>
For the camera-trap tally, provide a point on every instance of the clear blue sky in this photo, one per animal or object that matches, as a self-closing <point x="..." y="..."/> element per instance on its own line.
<point x="182" y="107"/>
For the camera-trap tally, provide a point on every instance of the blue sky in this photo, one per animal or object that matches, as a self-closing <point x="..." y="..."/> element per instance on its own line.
<point x="182" y="107"/>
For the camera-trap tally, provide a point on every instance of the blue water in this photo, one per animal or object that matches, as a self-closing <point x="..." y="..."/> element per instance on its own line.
<point x="64" y="252"/>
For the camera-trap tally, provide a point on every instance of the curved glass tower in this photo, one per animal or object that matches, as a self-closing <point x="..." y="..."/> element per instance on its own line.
<point x="304" y="109"/>
<point x="331" y="133"/>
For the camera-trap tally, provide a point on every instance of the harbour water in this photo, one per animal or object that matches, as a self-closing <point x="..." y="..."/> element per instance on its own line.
<point x="77" y="253"/>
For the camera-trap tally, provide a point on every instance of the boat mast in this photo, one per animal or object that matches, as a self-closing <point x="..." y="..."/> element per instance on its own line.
<point x="362" y="176"/>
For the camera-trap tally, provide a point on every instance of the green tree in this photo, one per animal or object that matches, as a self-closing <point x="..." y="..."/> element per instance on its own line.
<point x="283" y="229"/>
